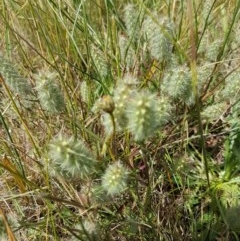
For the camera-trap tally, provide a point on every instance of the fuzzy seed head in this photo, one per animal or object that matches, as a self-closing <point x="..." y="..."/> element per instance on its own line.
<point x="142" y="115"/>
<point x="17" y="83"/>
<point x="213" y="49"/>
<point x="204" y="73"/>
<point x="156" y="31"/>
<point x="71" y="158"/>
<point x="84" y="90"/>
<point x="100" y="62"/>
<point x="132" y="19"/>
<point x="123" y="92"/>
<point x="206" y="14"/>
<point x="208" y="47"/>
<point x="49" y="93"/>
<point x="177" y="84"/>
<point x="114" y="180"/>
<point x="203" y="44"/>
<point x="231" y="91"/>
<point x="127" y="52"/>
<point x="164" y="111"/>
<point x="214" y="112"/>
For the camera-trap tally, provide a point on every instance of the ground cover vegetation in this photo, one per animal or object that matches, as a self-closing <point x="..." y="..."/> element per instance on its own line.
<point x="119" y="120"/>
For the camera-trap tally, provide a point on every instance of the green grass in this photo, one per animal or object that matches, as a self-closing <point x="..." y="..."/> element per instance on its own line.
<point x="119" y="120"/>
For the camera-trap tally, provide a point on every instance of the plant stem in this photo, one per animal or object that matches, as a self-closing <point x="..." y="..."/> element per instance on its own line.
<point x="193" y="58"/>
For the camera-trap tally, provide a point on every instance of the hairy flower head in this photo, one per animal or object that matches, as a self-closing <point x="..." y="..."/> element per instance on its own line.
<point x="16" y="82"/>
<point x="49" y="93"/>
<point x="142" y="115"/>
<point x="158" y="32"/>
<point x="123" y="92"/>
<point x="177" y="84"/>
<point x="114" y="180"/>
<point x="71" y="158"/>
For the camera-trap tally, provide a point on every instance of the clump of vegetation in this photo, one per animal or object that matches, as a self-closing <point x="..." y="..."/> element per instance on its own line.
<point x="120" y="120"/>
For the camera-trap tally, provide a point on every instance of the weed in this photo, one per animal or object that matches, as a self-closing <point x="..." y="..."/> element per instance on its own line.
<point x="120" y="120"/>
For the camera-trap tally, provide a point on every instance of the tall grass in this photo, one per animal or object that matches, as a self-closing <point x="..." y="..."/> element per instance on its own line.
<point x="120" y="120"/>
